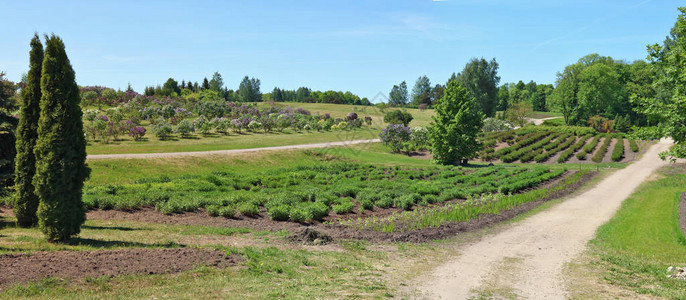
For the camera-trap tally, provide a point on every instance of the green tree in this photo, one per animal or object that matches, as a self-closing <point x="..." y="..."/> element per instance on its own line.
<point x="205" y="84"/>
<point x="397" y="116"/>
<point x="249" y="90"/>
<point x="455" y="126"/>
<point x="600" y="93"/>
<point x="60" y="148"/>
<point x="398" y="95"/>
<point x="170" y="87"/>
<point x="8" y="125"/>
<point x="217" y="83"/>
<point x="669" y="61"/>
<point x="25" y="200"/>
<point x="480" y="78"/>
<point x="421" y="93"/>
<point x="564" y="98"/>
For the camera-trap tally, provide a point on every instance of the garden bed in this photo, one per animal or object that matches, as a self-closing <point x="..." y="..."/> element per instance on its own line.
<point x="22" y="268"/>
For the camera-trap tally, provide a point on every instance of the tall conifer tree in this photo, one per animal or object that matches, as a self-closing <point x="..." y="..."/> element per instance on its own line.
<point x="26" y="200"/>
<point x="61" y="147"/>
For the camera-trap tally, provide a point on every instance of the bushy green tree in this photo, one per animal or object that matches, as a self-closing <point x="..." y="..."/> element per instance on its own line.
<point x="8" y="125"/>
<point x="421" y="93"/>
<point x="480" y="78"/>
<point x="25" y="200"/>
<point x="249" y="90"/>
<point x="669" y="107"/>
<point x="455" y="126"/>
<point x="397" y="116"/>
<point x="60" y="148"/>
<point x="398" y="95"/>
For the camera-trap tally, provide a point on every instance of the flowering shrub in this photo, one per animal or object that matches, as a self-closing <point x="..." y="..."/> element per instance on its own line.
<point x="351" y="116"/>
<point x="419" y="138"/>
<point x="184" y="128"/>
<point x="162" y="129"/>
<point x="496" y="125"/>
<point x="137" y="132"/>
<point x="396" y="136"/>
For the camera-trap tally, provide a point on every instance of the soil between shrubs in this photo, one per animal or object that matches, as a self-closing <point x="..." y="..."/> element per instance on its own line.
<point x="682" y="213"/>
<point x="22" y="268"/>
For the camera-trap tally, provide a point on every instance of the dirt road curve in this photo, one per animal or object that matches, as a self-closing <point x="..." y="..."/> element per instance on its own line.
<point x="224" y="152"/>
<point x="527" y="259"/>
<point x="540" y="121"/>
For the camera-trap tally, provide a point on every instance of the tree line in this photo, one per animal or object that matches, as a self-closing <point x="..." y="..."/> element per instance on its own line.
<point x="248" y="91"/>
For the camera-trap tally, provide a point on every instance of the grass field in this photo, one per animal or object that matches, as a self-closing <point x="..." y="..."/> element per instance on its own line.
<point x="634" y="249"/>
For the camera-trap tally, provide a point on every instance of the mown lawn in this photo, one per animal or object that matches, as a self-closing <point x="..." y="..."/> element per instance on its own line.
<point x="643" y="239"/>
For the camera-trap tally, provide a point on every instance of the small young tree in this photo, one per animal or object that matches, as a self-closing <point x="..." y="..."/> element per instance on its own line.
<point x="60" y="148"/>
<point x="455" y="126"/>
<point x="25" y="200"/>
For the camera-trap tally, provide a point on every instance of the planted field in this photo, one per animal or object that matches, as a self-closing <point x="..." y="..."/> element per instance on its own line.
<point x="556" y="144"/>
<point x="310" y="193"/>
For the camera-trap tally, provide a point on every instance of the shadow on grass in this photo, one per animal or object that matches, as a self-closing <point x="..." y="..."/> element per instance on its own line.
<point x="120" y="228"/>
<point x="189" y="137"/>
<point x="112" y="244"/>
<point x="5" y="223"/>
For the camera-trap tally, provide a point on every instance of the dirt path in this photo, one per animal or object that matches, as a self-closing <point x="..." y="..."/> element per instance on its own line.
<point x="540" y="121"/>
<point x="225" y="152"/>
<point x="527" y="259"/>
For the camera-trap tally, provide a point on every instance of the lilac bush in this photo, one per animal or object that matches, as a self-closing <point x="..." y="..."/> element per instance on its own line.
<point x="396" y="136"/>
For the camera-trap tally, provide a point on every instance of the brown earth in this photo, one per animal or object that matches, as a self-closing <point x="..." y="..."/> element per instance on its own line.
<point x="22" y="268"/>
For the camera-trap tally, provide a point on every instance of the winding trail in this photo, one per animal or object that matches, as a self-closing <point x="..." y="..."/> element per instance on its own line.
<point x="225" y="152"/>
<point x="527" y="259"/>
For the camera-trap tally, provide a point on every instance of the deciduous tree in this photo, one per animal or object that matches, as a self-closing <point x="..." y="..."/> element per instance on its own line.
<point x="455" y="126"/>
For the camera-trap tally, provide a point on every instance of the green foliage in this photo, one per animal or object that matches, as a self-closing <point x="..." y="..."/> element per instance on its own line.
<point x="60" y="148"/>
<point x="480" y="78"/>
<point x="249" y="90"/>
<point x="455" y="126"/>
<point x="618" y="150"/>
<point x="248" y="209"/>
<point x="633" y="145"/>
<point x="600" y="154"/>
<point x="669" y="106"/>
<point x="397" y="116"/>
<point x="185" y="127"/>
<point x="279" y="212"/>
<point x="162" y="129"/>
<point x="25" y="200"/>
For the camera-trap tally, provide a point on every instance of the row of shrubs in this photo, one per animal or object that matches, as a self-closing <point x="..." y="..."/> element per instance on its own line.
<point x="304" y="194"/>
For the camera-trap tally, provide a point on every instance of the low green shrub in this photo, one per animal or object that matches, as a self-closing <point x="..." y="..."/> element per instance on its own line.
<point x="344" y="207"/>
<point x="248" y="209"/>
<point x="279" y="212"/>
<point x="227" y="212"/>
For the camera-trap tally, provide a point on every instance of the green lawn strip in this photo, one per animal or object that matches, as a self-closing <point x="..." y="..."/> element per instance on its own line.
<point x="420" y="117"/>
<point x="100" y="234"/>
<point x="643" y="238"/>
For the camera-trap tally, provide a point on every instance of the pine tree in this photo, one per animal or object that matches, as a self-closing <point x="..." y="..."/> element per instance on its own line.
<point x="61" y="147"/>
<point x="205" y="84"/>
<point x="26" y="200"/>
<point x="455" y="126"/>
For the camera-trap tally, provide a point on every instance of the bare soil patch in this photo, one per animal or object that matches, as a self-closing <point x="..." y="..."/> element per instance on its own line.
<point x="22" y="268"/>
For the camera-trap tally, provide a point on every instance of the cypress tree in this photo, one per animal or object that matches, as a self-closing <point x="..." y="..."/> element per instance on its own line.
<point x="61" y="147"/>
<point x="26" y="200"/>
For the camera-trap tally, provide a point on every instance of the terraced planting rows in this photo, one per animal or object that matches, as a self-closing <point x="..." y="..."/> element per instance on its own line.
<point x="540" y="145"/>
<point x="305" y="194"/>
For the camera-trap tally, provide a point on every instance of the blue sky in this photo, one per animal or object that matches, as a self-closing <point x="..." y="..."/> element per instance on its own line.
<point x="361" y="46"/>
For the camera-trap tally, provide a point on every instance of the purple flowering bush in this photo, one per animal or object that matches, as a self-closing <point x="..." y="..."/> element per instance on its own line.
<point x="137" y="132"/>
<point x="396" y="136"/>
